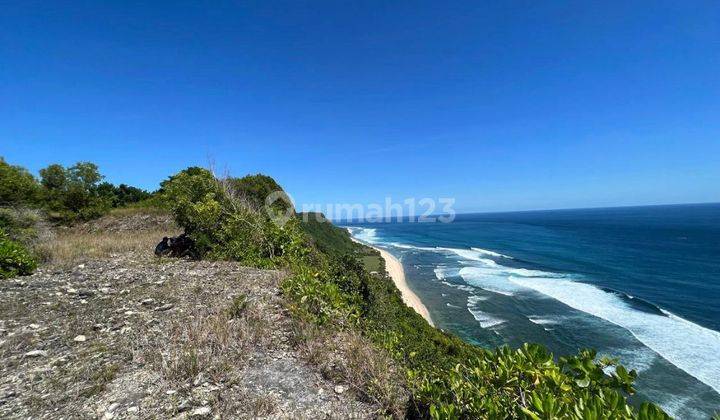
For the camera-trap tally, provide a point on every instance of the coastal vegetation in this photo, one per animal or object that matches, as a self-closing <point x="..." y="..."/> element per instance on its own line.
<point x="61" y="196"/>
<point x="446" y="377"/>
<point x="333" y="287"/>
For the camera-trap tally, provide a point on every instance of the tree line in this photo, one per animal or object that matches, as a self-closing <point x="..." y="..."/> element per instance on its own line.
<point x="67" y="194"/>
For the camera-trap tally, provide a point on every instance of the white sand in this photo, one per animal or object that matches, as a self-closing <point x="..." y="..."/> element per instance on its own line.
<point x="395" y="269"/>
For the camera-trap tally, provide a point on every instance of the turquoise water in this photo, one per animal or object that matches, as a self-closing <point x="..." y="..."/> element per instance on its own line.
<point x="641" y="284"/>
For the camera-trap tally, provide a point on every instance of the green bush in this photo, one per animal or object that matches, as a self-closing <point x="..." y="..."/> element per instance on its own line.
<point x="20" y="224"/>
<point x="224" y="226"/>
<point x="17" y="186"/>
<point x="256" y="188"/>
<point x="122" y="195"/>
<point x="73" y="194"/>
<point x="527" y="383"/>
<point x="15" y="259"/>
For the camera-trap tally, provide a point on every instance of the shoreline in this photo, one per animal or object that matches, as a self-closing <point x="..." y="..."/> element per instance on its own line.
<point x="395" y="270"/>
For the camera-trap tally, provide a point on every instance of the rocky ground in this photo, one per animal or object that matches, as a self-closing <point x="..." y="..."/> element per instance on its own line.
<point x="133" y="336"/>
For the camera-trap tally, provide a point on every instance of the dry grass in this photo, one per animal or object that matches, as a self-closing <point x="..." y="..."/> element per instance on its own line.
<point x="138" y="210"/>
<point x="215" y="345"/>
<point x="350" y="358"/>
<point x="73" y="247"/>
<point x="125" y="230"/>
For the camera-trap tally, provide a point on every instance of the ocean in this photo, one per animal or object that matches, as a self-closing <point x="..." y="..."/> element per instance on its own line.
<point x="641" y="284"/>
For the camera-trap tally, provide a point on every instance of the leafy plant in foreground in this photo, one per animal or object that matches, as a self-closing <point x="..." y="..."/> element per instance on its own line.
<point x="15" y="259"/>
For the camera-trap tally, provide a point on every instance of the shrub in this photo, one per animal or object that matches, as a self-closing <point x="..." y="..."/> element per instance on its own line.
<point x="72" y="194"/>
<point x="256" y="188"/>
<point x="225" y="226"/>
<point x="17" y="185"/>
<point x="19" y="224"/>
<point x="15" y="259"/>
<point x="121" y="195"/>
<point x="237" y="307"/>
<point x="527" y="383"/>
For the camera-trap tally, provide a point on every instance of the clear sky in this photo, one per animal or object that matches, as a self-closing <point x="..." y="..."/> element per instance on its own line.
<point x="502" y="105"/>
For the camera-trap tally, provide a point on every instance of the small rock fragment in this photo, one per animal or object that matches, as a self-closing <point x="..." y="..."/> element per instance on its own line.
<point x="36" y="353"/>
<point x="339" y="389"/>
<point x="202" y="411"/>
<point x="184" y="405"/>
<point x="80" y="339"/>
<point x="165" y="307"/>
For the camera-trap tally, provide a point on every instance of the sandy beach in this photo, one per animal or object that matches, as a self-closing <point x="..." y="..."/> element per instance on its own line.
<point x="395" y="269"/>
<point x="397" y="273"/>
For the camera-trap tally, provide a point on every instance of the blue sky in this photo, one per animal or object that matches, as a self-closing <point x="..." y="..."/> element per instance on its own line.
<point x="502" y="105"/>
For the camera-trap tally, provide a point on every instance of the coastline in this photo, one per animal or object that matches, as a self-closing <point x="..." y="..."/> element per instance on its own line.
<point x="394" y="268"/>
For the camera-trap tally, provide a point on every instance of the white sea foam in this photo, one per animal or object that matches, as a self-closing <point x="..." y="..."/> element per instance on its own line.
<point x="491" y="253"/>
<point x="444" y="272"/>
<point x="368" y="235"/>
<point x="495" y="277"/>
<point x="462" y="287"/>
<point x="689" y="346"/>
<point x="404" y="246"/>
<point x="640" y="359"/>
<point x="483" y="318"/>
<point x="543" y="321"/>
<point x="474" y="254"/>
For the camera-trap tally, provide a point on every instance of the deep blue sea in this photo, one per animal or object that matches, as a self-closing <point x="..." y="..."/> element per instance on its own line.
<point x="641" y="284"/>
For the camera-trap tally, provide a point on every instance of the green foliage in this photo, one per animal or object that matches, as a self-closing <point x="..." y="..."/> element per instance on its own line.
<point x="17" y="186"/>
<point x="20" y="224"/>
<point x="448" y="378"/>
<point x="15" y="259"/>
<point x="526" y="383"/>
<point x="326" y="237"/>
<point x="237" y="307"/>
<point x="72" y="194"/>
<point x="225" y="227"/>
<point x="256" y="189"/>
<point x="316" y="297"/>
<point x="122" y="195"/>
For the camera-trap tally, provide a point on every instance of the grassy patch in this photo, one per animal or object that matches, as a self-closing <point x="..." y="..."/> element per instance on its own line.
<point x="72" y="247"/>
<point x="237" y="307"/>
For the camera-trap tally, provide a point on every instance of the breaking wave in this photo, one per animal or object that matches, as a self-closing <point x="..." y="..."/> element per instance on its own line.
<point x="688" y="346"/>
<point x="483" y="318"/>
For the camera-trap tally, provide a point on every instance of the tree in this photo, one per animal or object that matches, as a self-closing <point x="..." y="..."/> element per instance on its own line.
<point x="17" y="185"/>
<point x="54" y="177"/>
<point x="74" y="193"/>
<point x="86" y="174"/>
